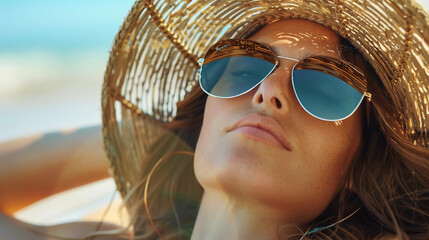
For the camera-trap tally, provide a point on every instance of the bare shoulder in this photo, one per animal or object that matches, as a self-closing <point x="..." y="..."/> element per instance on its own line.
<point x="11" y="228"/>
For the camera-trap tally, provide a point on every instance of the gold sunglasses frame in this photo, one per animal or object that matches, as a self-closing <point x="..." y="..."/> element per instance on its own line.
<point x="341" y="69"/>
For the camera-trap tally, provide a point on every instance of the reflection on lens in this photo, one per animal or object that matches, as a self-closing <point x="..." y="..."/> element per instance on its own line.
<point x="325" y="96"/>
<point x="232" y="76"/>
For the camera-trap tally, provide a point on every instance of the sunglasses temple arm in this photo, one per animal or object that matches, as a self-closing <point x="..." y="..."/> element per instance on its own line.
<point x="368" y="107"/>
<point x="200" y="62"/>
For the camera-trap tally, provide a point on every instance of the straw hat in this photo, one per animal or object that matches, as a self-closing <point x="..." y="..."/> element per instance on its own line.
<point x="153" y="62"/>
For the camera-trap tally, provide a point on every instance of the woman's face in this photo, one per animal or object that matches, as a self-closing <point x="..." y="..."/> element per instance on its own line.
<point x="299" y="175"/>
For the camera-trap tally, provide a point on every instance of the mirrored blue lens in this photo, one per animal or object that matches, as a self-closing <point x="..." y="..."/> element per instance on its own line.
<point x="325" y="96"/>
<point x="233" y="76"/>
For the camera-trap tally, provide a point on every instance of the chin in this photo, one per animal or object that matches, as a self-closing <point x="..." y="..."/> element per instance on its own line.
<point x="236" y="164"/>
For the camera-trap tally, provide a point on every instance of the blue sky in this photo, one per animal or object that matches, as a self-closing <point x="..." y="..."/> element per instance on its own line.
<point x="61" y="24"/>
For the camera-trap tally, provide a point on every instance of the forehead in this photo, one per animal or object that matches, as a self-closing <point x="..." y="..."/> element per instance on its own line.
<point x="298" y="38"/>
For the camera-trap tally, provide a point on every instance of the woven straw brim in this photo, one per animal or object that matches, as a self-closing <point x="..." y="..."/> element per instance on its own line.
<point x="153" y="63"/>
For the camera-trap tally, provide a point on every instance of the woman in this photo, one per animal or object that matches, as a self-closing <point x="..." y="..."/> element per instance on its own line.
<point x="251" y="178"/>
<point x="269" y="164"/>
<point x="362" y="176"/>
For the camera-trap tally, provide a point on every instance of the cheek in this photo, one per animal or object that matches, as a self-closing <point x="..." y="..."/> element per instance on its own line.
<point x="335" y="146"/>
<point x="221" y="158"/>
<point x="206" y="146"/>
<point x="326" y="157"/>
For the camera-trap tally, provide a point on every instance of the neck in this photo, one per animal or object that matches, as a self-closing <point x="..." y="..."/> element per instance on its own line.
<point x="223" y="217"/>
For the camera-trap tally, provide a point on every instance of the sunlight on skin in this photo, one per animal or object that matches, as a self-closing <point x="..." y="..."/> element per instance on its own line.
<point x="339" y="123"/>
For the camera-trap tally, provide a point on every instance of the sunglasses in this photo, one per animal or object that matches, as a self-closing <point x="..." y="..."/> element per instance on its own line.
<point x="327" y="88"/>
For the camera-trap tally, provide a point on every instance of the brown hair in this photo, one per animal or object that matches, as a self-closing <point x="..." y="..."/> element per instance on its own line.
<point x="389" y="176"/>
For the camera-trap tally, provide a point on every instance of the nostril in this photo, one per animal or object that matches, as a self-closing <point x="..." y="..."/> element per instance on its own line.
<point x="273" y="100"/>
<point x="277" y="102"/>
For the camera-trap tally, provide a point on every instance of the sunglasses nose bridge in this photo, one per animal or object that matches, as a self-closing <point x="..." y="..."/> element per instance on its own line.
<point x="284" y="68"/>
<point x="282" y="73"/>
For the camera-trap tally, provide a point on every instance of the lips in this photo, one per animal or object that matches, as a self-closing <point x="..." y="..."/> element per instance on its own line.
<point x="262" y="128"/>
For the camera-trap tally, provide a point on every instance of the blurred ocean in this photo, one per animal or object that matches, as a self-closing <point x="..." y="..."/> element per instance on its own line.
<point x="53" y="55"/>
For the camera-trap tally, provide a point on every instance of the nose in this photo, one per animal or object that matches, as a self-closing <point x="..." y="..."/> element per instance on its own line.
<point x="271" y="94"/>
